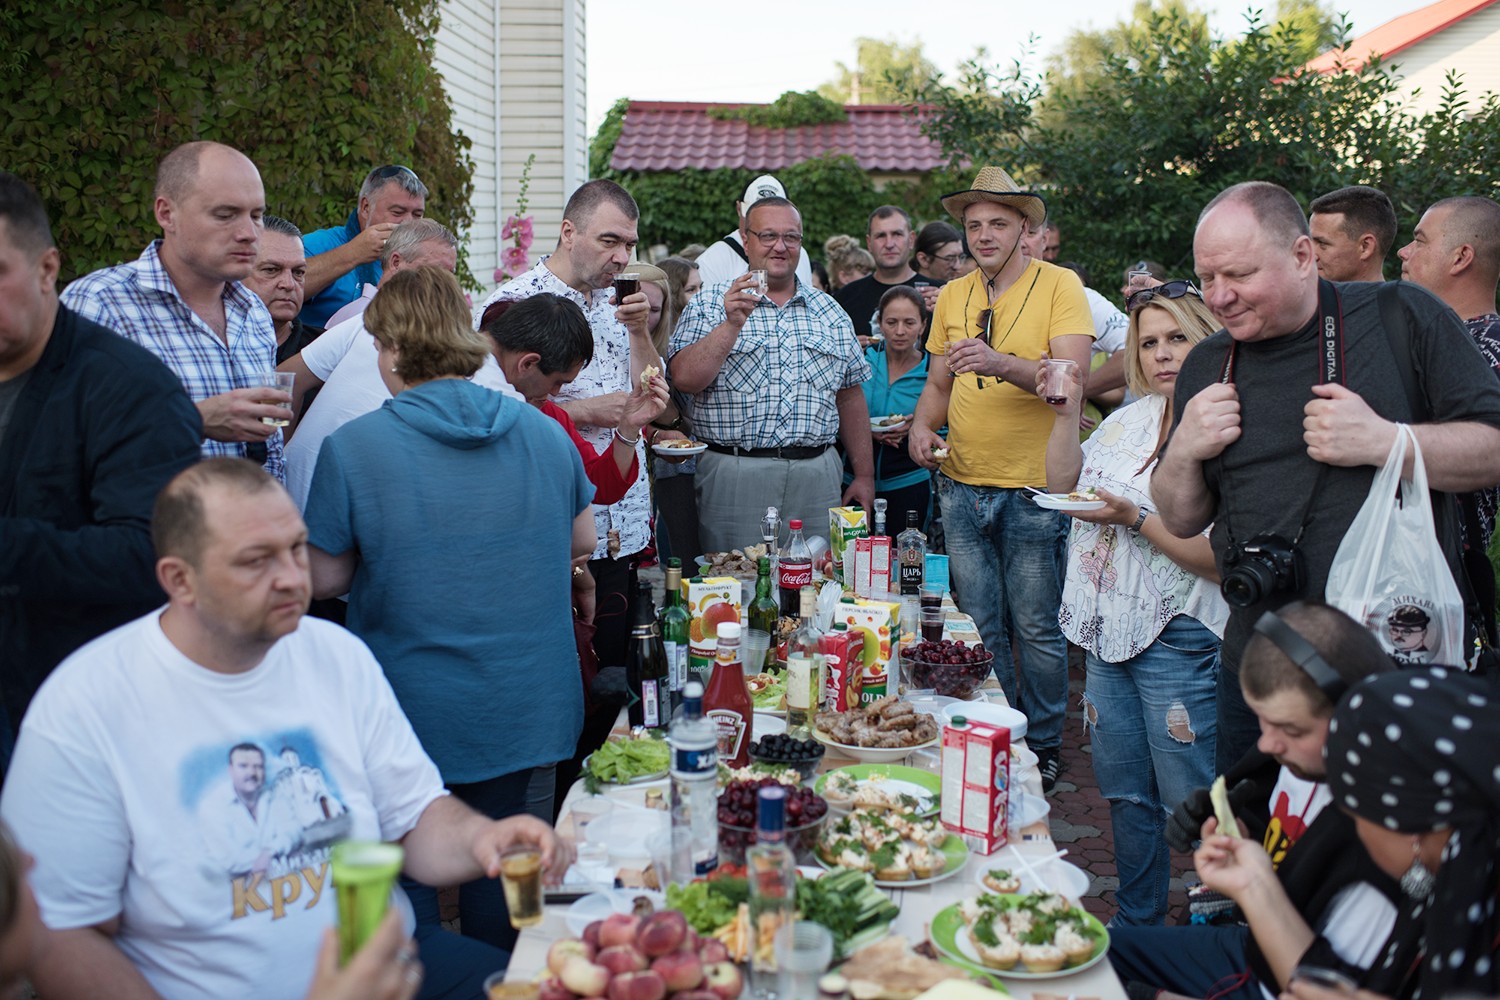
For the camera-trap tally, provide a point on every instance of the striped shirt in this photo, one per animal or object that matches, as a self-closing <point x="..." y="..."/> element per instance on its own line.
<point x="138" y="301"/>
<point x="779" y="385"/>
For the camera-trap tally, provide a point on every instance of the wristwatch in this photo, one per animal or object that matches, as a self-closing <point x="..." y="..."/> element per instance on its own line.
<point x="1140" y="519"/>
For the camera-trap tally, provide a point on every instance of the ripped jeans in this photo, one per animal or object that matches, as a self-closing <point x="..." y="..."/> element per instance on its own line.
<point x="1152" y="724"/>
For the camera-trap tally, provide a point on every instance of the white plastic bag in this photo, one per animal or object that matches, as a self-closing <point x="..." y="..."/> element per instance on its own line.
<point x="1390" y="572"/>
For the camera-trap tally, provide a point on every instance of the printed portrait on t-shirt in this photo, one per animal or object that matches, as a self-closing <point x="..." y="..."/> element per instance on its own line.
<point x="264" y="805"/>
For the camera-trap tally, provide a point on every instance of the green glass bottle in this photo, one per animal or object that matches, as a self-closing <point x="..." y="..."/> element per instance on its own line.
<point x="675" y="621"/>
<point x="764" y="613"/>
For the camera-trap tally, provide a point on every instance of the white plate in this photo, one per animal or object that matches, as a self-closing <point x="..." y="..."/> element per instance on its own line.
<point x="767" y="724"/>
<point x="1054" y="875"/>
<point x="880" y="428"/>
<point x="666" y="452"/>
<point x="1022" y="810"/>
<point x="598" y="905"/>
<point x="989" y="712"/>
<point x="871" y="755"/>
<point x="1060" y="501"/>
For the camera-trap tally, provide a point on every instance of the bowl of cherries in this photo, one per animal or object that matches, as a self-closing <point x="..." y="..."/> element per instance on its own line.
<point x="782" y="750"/>
<point x="805" y="812"/>
<point x="951" y="667"/>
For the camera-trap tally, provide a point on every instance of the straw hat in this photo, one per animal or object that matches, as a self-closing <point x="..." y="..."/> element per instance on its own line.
<point x="994" y="184"/>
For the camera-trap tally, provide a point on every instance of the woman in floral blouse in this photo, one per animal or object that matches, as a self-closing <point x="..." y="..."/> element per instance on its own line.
<point x="1143" y="604"/>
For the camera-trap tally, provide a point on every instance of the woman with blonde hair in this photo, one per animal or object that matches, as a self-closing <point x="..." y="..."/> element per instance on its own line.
<point x="1142" y="603"/>
<point x="450" y="516"/>
<point x="847" y="261"/>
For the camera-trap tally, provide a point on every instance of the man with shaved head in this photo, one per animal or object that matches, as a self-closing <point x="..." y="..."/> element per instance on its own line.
<point x="1283" y="416"/>
<point x="1454" y="253"/>
<point x="183" y="299"/>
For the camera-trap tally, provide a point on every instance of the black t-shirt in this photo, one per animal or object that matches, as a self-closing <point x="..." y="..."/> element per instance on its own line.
<point x="1262" y="482"/>
<point x="10" y="391"/>
<point x="861" y="300"/>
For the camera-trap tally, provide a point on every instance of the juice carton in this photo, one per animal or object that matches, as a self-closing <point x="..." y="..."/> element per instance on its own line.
<point x="844" y="525"/>
<point x="880" y="622"/>
<point x="711" y="601"/>
<point x="872" y="566"/>
<point x="976" y="783"/>
<point x="843" y="654"/>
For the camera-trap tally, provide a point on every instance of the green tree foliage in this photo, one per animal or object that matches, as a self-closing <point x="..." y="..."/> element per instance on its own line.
<point x="1173" y="115"/>
<point x="315" y="92"/>
<point x="791" y="110"/>
<point x="883" y="71"/>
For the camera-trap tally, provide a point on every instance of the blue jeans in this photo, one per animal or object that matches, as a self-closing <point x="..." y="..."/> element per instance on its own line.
<point x="1153" y="725"/>
<point x="1006" y="558"/>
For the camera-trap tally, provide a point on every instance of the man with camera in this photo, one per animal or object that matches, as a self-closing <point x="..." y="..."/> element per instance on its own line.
<point x="1284" y="415"/>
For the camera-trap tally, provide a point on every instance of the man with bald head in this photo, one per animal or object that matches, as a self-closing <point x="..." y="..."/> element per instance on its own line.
<point x="184" y="299"/>
<point x="1283" y="416"/>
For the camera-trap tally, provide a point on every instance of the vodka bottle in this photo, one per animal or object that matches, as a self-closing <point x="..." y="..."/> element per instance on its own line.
<point x="772" y="874"/>
<point x="695" y="789"/>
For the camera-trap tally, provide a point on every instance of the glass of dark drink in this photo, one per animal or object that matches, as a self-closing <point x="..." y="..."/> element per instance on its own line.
<point x="1057" y="379"/>
<point x="932" y="624"/>
<point x="932" y="597"/>
<point x="625" y="285"/>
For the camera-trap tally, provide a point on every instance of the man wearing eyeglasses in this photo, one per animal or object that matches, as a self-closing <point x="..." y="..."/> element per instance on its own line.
<point x="1284" y="415"/>
<point x="343" y="259"/>
<point x="728" y="259"/>
<point x="775" y="375"/>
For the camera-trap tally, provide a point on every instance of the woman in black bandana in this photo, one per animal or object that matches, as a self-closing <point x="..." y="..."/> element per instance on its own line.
<point x="1414" y="757"/>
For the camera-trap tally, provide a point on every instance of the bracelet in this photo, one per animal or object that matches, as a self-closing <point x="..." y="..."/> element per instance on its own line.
<point x="1140" y="520"/>
<point x="625" y="440"/>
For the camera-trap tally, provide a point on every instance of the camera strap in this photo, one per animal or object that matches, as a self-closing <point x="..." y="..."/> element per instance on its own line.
<point x="1330" y="321"/>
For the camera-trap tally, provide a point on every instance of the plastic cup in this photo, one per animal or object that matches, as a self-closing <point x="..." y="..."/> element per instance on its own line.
<point x="593" y="847"/>
<point x="625" y="285"/>
<point x="521" y="878"/>
<point x="932" y="624"/>
<point x="803" y="951"/>
<point x="761" y="281"/>
<point x="1057" y="378"/>
<point x="281" y="382"/>
<point x="496" y="988"/>
<point x="364" y="871"/>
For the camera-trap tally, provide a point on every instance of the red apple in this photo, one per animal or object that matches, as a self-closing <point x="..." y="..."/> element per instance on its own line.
<point x="693" y="940"/>
<point x="724" y="980"/>
<point x="584" y="977"/>
<point x="661" y="932"/>
<point x="618" y="928"/>
<point x="637" y="986"/>
<point x="562" y="950"/>
<point x="713" y="950"/>
<point x="553" y="989"/>
<point x="591" y="934"/>
<point x="680" y="970"/>
<point x="622" y="958"/>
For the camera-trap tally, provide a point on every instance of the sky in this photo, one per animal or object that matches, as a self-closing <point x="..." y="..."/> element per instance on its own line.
<point x="669" y="50"/>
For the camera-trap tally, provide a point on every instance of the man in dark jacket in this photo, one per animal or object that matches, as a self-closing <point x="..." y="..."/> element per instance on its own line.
<point x="91" y="427"/>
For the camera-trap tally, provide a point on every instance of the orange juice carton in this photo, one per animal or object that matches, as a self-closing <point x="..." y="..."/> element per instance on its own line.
<point x="880" y="622"/>
<point x="845" y="524"/>
<point x="843" y="655"/>
<point x="872" y="566"/>
<point x="711" y="601"/>
<point x="976" y="783"/>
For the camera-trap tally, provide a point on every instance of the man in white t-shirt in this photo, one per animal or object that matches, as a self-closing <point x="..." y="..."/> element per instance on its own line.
<point x="1305" y="885"/>
<point x="342" y="365"/>
<point x="118" y="785"/>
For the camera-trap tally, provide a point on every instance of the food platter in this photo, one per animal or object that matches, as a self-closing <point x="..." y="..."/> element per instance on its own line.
<point x="871" y="755"/>
<point x="880" y="425"/>
<point x="923" y="786"/>
<point x="949" y="935"/>
<point x="955" y="856"/>
<point x="1066" y="502"/>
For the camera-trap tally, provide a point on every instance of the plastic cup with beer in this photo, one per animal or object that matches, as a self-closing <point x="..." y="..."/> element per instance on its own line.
<point x="521" y="878"/>
<point x="364" y="872"/>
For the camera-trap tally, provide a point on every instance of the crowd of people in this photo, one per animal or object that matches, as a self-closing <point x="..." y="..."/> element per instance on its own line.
<point x="463" y="495"/>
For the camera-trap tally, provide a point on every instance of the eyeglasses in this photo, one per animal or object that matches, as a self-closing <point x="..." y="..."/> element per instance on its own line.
<point x="949" y="259"/>
<point x="1406" y="629"/>
<point x="1169" y="290"/>
<point x="770" y="238"/>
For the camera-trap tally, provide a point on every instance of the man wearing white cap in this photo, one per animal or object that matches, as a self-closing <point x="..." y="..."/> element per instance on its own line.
<point x="726" y="259"/>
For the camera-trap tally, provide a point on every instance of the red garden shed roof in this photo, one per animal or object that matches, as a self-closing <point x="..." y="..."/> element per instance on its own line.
<point x="1399" y="33"/>
<point x="670" y="135"/>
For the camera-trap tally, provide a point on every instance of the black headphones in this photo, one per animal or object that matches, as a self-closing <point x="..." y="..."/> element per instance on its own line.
<point x="1302" y="653"/>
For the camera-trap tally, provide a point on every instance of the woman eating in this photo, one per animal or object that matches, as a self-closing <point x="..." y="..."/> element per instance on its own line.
<point x="1142" y="603"/>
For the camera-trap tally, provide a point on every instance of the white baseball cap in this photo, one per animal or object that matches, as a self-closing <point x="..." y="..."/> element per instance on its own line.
<point x="764" y="186"/>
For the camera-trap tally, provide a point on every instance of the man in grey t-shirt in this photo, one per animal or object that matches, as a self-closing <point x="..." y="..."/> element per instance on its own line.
<point x="1258" y="271"/>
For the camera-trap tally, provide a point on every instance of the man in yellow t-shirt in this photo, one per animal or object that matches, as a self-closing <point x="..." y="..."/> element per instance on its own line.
<point x="1006" y="555"/>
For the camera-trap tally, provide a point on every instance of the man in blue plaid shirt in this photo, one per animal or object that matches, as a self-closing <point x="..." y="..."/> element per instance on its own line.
<point x="183" y="300"/>
<point x="775" y="375"/>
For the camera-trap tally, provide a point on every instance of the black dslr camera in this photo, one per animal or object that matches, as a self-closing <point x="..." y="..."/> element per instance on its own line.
<point x="1262" y="566"/>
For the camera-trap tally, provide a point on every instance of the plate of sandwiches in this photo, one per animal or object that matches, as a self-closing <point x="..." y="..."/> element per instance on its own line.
<point x="900" y="849"/>
<point x="1034" y="936"/>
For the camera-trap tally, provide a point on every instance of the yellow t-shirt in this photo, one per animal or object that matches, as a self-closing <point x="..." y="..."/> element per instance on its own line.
<point x="997" y="432"/>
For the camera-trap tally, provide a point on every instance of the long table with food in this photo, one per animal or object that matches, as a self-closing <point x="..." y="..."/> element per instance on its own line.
<point x="1008" y="922"/>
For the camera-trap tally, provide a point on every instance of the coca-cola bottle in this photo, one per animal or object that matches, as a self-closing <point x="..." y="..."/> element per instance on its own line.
<point x="794" y="571"/>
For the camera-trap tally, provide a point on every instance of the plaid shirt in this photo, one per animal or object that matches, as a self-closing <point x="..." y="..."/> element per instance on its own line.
<point x="138" y="301"/>
<point x="779" y="385"/>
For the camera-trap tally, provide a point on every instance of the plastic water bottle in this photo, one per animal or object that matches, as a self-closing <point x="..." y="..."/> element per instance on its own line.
<point x="695" y="792"/>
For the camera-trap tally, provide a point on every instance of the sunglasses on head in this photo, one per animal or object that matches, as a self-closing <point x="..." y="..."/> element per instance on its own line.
<point x="387" y="172"/>
<point x="1168" y="290"/>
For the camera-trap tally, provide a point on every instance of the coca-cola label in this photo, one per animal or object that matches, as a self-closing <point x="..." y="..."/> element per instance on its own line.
<point x="793" y="576"/>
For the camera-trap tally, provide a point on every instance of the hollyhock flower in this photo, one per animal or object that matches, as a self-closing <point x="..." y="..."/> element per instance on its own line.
<point x="514" y="261"/>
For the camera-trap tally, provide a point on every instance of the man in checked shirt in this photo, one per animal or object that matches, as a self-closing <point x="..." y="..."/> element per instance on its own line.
<point x="775" y="376"/>
<point x="183" y="300"/>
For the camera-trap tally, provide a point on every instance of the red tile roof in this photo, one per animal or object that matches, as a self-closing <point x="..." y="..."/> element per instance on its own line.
<point x="1399" y="33"/>
<point x="661" y="135"/>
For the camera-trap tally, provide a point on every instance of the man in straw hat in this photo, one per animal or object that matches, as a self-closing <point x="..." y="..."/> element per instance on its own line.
<point x="993" y="327"/>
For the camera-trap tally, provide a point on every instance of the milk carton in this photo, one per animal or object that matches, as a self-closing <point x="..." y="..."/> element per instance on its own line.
<point x="711" y="601"/>
<point x="879" y="621"/>
<point x="845" y="524"/>
<point x="976" y="783"/>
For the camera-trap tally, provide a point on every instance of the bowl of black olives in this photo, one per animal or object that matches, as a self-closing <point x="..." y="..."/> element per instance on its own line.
<point x="782" y="750"/>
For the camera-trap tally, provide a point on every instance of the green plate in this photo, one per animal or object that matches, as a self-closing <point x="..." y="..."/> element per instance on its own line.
<point x="990" y="977"/>
<point x="954" y="851"/>
<point x="925" y="784"/>
<point x="949" y="936"/>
